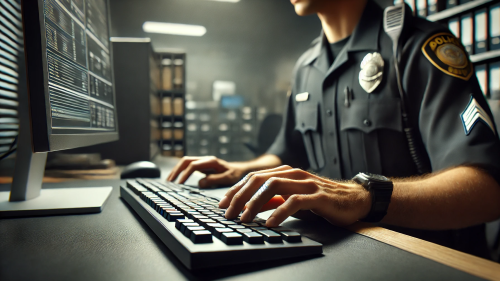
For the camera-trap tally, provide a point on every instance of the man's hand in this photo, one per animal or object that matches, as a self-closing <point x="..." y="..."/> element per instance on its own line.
<point x="339" y="203"/>
<point x="221" y="173"/>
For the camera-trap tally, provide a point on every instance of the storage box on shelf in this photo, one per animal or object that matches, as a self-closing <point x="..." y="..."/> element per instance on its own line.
<point x="172" y="95"/>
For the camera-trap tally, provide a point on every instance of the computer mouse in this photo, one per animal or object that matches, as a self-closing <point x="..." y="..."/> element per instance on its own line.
<point x="142" y="169"/>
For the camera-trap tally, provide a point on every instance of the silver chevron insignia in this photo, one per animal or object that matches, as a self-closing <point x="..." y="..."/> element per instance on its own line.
<point x="474" y="113"/>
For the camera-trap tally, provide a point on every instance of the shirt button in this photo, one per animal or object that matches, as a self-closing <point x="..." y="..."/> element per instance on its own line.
<point x="367" y="122"/>
<point x="329" y="112"/>
<point x="335" y="160"/>
<point x="303" y="124"/>
<point x="331" y="134"/>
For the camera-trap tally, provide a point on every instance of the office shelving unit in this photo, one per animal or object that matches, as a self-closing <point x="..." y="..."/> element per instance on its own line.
<point x="11" y="68"/>
<point x="173" y="100"/>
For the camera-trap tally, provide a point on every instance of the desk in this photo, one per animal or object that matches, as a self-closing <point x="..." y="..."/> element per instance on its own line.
<point x="117" y="245"/>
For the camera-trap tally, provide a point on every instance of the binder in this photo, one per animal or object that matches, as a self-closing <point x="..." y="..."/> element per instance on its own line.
<point x="451" y="3"/>
<point x="422" y="8"/>
<point x="435" y="6"/>
<point x="454" y="26"/>
<point x="482" y="78"/>
<point x="466" y="32"/>
<point x="410" y="3"/>
<point x="480" y="31"/>
<point x="494" y="27"/>
<point x="494" y="81"/>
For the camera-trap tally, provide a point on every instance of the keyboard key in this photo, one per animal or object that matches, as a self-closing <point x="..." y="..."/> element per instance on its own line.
<point x="259" y="220"/>
<point x="231" y="238"/>
<point x="253" y="237"/>
<point x="174" y="216"/>
<point x="228" y="222"/>
<point x="259" y="228"/>
<point x="205" y="221"/>
<point x="291" y="236"/>
<point x="201" y="236"/>
<point x="189" y="229"/>
<point x="250" y="224"/>
<point x="271" y="236"/>
<point x="185" y="225"/>
<point x="217" y="231"/>
<point x="178" y="222"/>
<point x="199" y="217"/>
<point x="280" y="229"/>
<point x="214" y="225"/>
<point x="236" y="226"/>
<point x="243" y="230"/>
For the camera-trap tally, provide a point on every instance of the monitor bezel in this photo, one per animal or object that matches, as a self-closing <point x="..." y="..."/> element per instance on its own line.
<point x="44" y="139"/>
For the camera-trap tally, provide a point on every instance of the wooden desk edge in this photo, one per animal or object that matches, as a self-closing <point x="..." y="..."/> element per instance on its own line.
<point x="464" y="262"/>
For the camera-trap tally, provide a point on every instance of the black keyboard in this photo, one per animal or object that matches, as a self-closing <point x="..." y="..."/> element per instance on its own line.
<point x="193" y="227"/>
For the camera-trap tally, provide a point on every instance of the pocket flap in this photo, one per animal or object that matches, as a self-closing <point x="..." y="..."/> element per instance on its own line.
<point x="306" y="118"/>
<point x="369" y="115"/>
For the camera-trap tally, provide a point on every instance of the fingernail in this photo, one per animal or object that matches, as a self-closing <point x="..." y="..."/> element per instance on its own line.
<point x="228" y="212"/>
<point x="272" y="222"/>
<point x="246" y="216"/>
<point x="202" y="183"/>
<point x="223" y="202"/>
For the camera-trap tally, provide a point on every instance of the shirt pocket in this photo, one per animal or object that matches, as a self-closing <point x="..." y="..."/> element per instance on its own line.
<point x="307" y="123"/>
<point x="364" y="125"/>
<point x="370" y="115"/>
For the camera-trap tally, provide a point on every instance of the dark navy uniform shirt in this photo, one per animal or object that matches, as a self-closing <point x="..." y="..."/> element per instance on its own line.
<point x="341" y="130"/>
<point x="338" y="129"/>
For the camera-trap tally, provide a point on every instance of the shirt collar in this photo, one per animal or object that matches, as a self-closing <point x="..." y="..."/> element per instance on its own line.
<point x="364" y="37"/>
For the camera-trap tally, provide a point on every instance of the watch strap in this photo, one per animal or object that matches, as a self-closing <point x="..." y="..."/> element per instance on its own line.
<point x="381" y="192"/>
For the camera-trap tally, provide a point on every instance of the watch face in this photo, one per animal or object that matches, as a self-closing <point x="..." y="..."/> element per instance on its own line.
<point x="374" y="177"/>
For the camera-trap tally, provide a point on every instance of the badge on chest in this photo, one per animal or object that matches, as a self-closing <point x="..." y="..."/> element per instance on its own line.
<point x="372" y="71"/>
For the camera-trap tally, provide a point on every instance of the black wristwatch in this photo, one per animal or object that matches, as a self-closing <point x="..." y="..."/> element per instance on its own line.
<point x="380" y="189"/>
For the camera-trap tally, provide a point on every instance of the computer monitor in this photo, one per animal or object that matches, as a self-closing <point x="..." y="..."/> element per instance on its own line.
<point x="69" y="102"/>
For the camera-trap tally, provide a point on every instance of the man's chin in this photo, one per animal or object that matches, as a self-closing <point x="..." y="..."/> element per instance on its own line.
<point x="302" y="9"/>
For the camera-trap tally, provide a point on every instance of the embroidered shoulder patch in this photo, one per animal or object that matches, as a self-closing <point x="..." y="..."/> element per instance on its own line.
<point x="446" y="53"/>
<point x="474" y="113"/>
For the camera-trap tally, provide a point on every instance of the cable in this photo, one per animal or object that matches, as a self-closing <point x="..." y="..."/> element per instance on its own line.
<point x="11" y="150"/>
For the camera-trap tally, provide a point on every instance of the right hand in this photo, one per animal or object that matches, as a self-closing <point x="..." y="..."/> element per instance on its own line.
<point x="219" y="172"/>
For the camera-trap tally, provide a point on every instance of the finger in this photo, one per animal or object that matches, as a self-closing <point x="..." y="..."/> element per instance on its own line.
<point x="294" y="204"/>
<point x="183" y="163"/>
<point x="223" y="179"/>
<point x="245" y="193"/>
<point x="276" y="186"/>
<point x="226" y="200"/>
<point x="202" y="164"/>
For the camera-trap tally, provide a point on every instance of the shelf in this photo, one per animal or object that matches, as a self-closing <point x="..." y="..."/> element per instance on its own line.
<point x="486" y="56"/>
<point x="460" y="9"/>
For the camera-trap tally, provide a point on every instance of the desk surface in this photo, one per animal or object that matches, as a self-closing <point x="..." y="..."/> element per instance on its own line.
<point x="117" y="245"/>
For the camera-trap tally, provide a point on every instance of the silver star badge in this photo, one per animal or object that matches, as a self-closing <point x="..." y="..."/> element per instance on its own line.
<point x="372" y="70"/>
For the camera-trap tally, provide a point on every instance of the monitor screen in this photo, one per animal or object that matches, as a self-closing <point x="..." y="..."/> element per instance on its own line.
<point x="79" y="76"/>
<point x="67" y="44"/>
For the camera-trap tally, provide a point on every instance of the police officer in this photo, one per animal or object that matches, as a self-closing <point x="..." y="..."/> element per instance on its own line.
<point x="347" y="117"/>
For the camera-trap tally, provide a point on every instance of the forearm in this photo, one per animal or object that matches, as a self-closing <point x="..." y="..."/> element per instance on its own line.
<point x="266" y="161"/>
<point x="456" y="198"/>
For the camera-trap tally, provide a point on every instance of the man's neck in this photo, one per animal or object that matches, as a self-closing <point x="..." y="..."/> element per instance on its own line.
<point x="340" y="18"/>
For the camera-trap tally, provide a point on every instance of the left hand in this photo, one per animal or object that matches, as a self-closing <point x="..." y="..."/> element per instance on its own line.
<point x="340" y="203"/>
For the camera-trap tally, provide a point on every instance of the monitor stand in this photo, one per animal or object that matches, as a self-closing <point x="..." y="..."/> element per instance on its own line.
<point x="26" y="196"/>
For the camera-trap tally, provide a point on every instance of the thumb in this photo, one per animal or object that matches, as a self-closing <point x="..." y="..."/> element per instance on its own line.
<point x="213" y="180"/>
